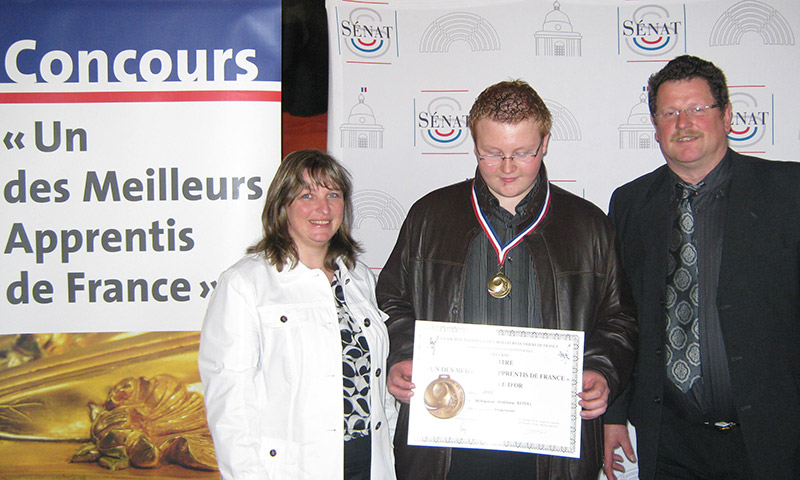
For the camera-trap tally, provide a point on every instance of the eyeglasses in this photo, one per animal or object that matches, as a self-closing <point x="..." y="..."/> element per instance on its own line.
<point x="522" y="158"/>
<point x="693" y="112"/>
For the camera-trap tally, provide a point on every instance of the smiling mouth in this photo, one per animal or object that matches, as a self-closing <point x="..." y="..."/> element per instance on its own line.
<point x="320" y="222"/>
<point x="682" y="137"/>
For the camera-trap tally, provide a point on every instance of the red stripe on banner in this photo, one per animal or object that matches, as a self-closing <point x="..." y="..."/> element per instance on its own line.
<point x="140" y="97"/>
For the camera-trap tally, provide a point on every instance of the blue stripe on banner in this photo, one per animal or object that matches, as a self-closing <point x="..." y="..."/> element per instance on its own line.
<point x="140" y="40"/>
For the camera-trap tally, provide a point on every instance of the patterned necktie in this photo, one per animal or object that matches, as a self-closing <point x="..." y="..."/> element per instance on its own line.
<point x="682" y="300"/>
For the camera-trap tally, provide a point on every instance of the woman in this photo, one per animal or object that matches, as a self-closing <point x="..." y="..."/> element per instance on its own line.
<point x="292" y="327"/>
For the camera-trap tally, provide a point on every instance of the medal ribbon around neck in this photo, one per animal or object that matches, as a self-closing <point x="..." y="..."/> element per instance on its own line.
<point x="502" y="251"/>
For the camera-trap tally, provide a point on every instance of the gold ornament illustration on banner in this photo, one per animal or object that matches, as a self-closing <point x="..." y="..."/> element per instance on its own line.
<point x="148" y="422"/>
<point x="102" y="400"/>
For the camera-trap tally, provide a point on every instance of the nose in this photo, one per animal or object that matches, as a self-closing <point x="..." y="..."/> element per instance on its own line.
<point x="683" y="120"/>
<point x="323" y="205"/>
<point x="507" y="165"/>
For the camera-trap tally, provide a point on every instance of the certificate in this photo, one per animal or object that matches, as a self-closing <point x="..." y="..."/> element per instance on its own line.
<point x="497" y="388"/>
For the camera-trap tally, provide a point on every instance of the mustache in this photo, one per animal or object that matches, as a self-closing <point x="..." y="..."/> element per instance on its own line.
<point x="686" y="133"/>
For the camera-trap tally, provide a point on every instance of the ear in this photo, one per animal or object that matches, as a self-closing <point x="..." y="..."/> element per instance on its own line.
<point x="727" y="115"/>
<point x="653" y="121"/>
<point x="545" y="142"/>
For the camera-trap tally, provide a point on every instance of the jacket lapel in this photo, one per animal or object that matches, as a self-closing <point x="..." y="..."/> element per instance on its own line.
<point x="748" y="227"/>
<point x="654" y="240"/>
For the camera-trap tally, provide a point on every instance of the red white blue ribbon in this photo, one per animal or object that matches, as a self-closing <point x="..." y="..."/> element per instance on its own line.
<point x="502" y="250"/>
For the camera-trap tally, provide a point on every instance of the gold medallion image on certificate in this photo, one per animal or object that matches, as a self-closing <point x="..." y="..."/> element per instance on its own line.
<point x="444" y="397"/>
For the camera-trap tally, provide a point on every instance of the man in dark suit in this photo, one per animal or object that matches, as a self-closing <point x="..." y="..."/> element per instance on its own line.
<point x="711" y="245"/>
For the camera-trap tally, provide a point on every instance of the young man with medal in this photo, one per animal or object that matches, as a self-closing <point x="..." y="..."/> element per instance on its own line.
<point x="508" y="248"/>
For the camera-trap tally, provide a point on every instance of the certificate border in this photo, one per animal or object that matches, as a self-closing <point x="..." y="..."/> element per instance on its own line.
<point x="573" y="339"/>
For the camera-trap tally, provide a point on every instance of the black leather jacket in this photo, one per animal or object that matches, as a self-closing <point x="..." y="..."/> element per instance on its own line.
<point x="581" y="285"/>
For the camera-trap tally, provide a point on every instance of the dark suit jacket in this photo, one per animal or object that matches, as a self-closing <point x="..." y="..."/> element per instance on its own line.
<point x="758" y="300"/>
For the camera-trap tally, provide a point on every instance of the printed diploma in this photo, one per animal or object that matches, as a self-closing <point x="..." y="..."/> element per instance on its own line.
<point x="497" y="388"/>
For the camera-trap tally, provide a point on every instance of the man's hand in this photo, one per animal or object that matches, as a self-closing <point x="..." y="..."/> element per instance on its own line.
<point x="616" y="436"/>
<point x="594" y="398"/>
<point x="399" y="381"/>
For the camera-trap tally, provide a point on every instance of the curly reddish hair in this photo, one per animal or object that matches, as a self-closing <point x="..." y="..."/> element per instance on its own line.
<point x="512" y="102"/>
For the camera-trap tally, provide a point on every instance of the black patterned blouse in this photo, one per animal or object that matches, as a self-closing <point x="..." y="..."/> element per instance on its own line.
<point x="355" y="367"/>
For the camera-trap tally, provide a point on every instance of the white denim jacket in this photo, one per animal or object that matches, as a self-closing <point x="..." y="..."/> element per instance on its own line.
<point x="271" y="366"/>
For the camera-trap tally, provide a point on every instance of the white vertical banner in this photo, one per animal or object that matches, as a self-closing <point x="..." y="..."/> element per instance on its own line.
<point x="138" y="142"/>
<point x="404" y="74"/>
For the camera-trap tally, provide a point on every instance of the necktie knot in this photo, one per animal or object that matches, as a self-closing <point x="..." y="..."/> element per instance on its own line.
<point x="687" y="190"/>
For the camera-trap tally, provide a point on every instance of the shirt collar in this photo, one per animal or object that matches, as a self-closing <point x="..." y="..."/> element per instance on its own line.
<point x="717" y="178"/>
<point x="529" y="205"/>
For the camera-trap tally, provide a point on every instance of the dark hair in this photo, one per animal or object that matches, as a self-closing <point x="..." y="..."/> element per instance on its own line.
<point x="511" y="101"/>
<point x="277" y="244"/>
<point x="687" y="67"/>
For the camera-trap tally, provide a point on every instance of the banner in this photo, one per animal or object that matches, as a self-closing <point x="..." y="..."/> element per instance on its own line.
<point x="136" y="157"/>
<point x="138" y="142"/>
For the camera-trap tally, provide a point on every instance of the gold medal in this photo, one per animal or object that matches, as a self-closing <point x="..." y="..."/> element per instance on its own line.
<point x="444" y="397"/>
<point x="499" y="285"/>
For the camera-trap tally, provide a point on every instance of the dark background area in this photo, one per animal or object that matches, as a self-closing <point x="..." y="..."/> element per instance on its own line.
<point x="304" y="75"/>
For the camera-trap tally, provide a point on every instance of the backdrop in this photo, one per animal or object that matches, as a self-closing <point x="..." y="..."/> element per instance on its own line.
<point x="404" y="74"/>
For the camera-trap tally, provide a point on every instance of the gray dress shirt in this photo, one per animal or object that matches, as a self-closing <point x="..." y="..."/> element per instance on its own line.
<point x="521" y="308"/>
<point x="709" y="400"/>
